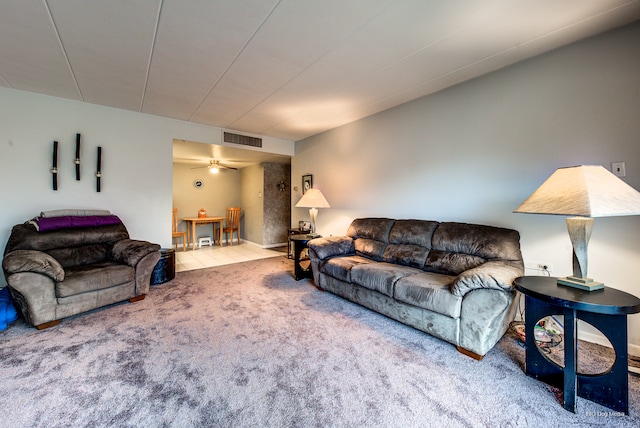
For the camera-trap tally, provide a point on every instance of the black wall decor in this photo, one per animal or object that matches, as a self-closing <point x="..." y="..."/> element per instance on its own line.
<point x="54" y="168"/>
<point x="99" y="171"/>
<point x="77" y="159"/>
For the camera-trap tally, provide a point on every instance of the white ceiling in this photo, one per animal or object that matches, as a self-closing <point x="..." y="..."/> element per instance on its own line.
<point x="281" y="68"/>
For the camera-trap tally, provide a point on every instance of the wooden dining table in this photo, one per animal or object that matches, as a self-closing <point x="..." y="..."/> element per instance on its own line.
<point x="191" y="231"/>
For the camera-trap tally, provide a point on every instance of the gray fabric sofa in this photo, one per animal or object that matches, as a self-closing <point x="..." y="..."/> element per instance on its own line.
<point x="451" y="280"/>
<point x="74" y="268"/>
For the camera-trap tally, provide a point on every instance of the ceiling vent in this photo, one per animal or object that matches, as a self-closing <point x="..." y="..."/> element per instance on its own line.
<point x="243" y="140"/>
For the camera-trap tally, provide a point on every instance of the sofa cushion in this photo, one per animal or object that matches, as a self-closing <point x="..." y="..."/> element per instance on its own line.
<point x="91" y="277"/>
<point x="413" y="232"/>
<point x="430" y="291"/>
<point x="331" y="246"/>
<point x="380" y="276"/>
<point x="68" y="246"/>
<point x="340" y="267"/>
<point x="369" y="248"/>
<point x="371" y="228"/>
<point x="26" y="237"/>
<point x="80" y="255"/>
<point x="457" y="247"/>
<point x="371" y="236"/>
<point x="450" y="263"/>
<point x="408" y="255"/>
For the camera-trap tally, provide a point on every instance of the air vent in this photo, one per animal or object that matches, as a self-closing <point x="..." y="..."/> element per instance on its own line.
<point x="244" y="140"/>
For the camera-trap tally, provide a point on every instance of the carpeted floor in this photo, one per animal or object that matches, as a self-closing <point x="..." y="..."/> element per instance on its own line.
<point x="245" y="345"/>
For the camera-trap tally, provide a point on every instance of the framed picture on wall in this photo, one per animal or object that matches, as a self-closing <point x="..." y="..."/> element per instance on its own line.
<point x="307" y="183"/>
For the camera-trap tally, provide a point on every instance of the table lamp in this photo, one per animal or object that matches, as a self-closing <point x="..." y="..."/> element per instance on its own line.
<point x="584" y="191"/>
<point x="313" y="199"/>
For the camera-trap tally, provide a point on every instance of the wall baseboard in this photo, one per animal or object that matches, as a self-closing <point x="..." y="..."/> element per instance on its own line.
<point x="283" y="244"/>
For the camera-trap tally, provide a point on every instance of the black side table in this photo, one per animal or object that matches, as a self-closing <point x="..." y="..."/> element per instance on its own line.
<point x="291" y="232"/>
<point x="605" y="309"/>
<point x="301" y="270"/>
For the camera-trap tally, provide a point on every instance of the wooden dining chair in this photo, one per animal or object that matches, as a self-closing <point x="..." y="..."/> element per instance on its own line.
<point x="232" y="222"/>
<point x="175" y="233"/>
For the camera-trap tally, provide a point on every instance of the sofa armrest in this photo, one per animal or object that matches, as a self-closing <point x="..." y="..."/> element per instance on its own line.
<point x="144" y="269"/>
<point x="131" y="251"/>
<point x="32" y="261"/>
<point x="498" y="275"/>
<point x="331" y="246"/>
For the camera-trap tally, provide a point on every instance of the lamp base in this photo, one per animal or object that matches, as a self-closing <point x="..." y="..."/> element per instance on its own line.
<point x="581" y="283"/>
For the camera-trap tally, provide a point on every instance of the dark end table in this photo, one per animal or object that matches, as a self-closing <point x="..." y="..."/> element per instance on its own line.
<point x="606" y="310"/>
<point x="301" y="262"/>
<point x="292" y="232"/>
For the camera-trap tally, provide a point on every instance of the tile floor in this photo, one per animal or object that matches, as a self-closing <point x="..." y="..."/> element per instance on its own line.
<point x="216" y="256"/>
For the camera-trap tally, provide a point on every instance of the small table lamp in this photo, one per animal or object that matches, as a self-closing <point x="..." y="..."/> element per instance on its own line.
<point x="584" y="191"/>
<point x="313" y="199"/>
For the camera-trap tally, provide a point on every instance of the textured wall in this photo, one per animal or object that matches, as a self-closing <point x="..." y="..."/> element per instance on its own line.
<point x="277" y="203"/>
<point x="277" y="207"/>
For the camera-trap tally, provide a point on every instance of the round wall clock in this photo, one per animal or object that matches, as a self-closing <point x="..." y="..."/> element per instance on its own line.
<point x="198" y="184"/>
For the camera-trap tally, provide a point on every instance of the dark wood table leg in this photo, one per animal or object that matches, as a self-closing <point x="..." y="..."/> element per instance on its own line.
<point x="570" y="359"/>
<point x="611" y="388"/>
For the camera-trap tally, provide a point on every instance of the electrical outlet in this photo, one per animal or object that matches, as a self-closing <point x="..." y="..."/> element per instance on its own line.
<point x="619" y="169"/>
<point x="539" y="266"/>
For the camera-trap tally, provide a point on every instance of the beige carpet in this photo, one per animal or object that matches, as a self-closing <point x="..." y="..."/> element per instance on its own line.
<point x="245" y="345"/>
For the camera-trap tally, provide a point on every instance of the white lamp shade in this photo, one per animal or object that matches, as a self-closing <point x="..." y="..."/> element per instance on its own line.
<point x="313" y="198"/>
<point x="586" y="190"/>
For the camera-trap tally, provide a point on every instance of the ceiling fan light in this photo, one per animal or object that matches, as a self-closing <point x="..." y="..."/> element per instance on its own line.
<point x="214" y="170"/>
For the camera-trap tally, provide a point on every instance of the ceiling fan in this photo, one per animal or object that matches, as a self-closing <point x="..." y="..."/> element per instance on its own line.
<point x="215" y="166"/>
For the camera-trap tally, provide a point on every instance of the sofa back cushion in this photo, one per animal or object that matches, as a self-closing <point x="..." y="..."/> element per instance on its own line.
<point x="370" y="236"/>
<point x="447" y="248"/>
<point x="409" y="242"/>
<point x="70" y="247"/>
<point x="457" y="247"/>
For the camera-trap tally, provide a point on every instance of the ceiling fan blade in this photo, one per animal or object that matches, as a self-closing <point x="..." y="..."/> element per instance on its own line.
<point x="215" y="164"/>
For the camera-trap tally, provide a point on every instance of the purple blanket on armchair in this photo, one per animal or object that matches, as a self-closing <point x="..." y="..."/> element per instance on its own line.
<point x="71" y="221"/>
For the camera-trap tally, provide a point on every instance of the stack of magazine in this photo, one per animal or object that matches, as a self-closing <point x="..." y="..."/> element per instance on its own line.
<point x="549" y="333"/>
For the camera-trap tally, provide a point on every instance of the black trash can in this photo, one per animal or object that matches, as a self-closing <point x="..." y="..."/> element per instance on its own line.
<point x="165" y="269"/>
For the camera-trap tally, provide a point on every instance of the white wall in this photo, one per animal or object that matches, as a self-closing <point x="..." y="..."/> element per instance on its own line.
<point x="474" y="152"/>
<point x="137" y="161"/>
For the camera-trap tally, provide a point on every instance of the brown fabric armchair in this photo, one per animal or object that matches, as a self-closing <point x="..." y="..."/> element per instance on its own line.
<point x="78" y="265"/>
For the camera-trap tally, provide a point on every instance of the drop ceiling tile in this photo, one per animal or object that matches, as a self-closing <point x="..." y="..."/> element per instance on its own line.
<point x="280" y="68"/>
<point x="31" y="58"/>
<point x="297" y="34"/>
<point x="386" y="39"/>
<point x="476" y="48"/>
<point x="108" y="45"/>
<point x="194" y="46"/>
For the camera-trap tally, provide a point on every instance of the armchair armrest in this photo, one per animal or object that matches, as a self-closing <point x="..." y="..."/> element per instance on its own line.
<point x="498" y="275"/>
<point x="331" y="246"/>
<point x="131" y="251"/>
<point x="32" y="261"/>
